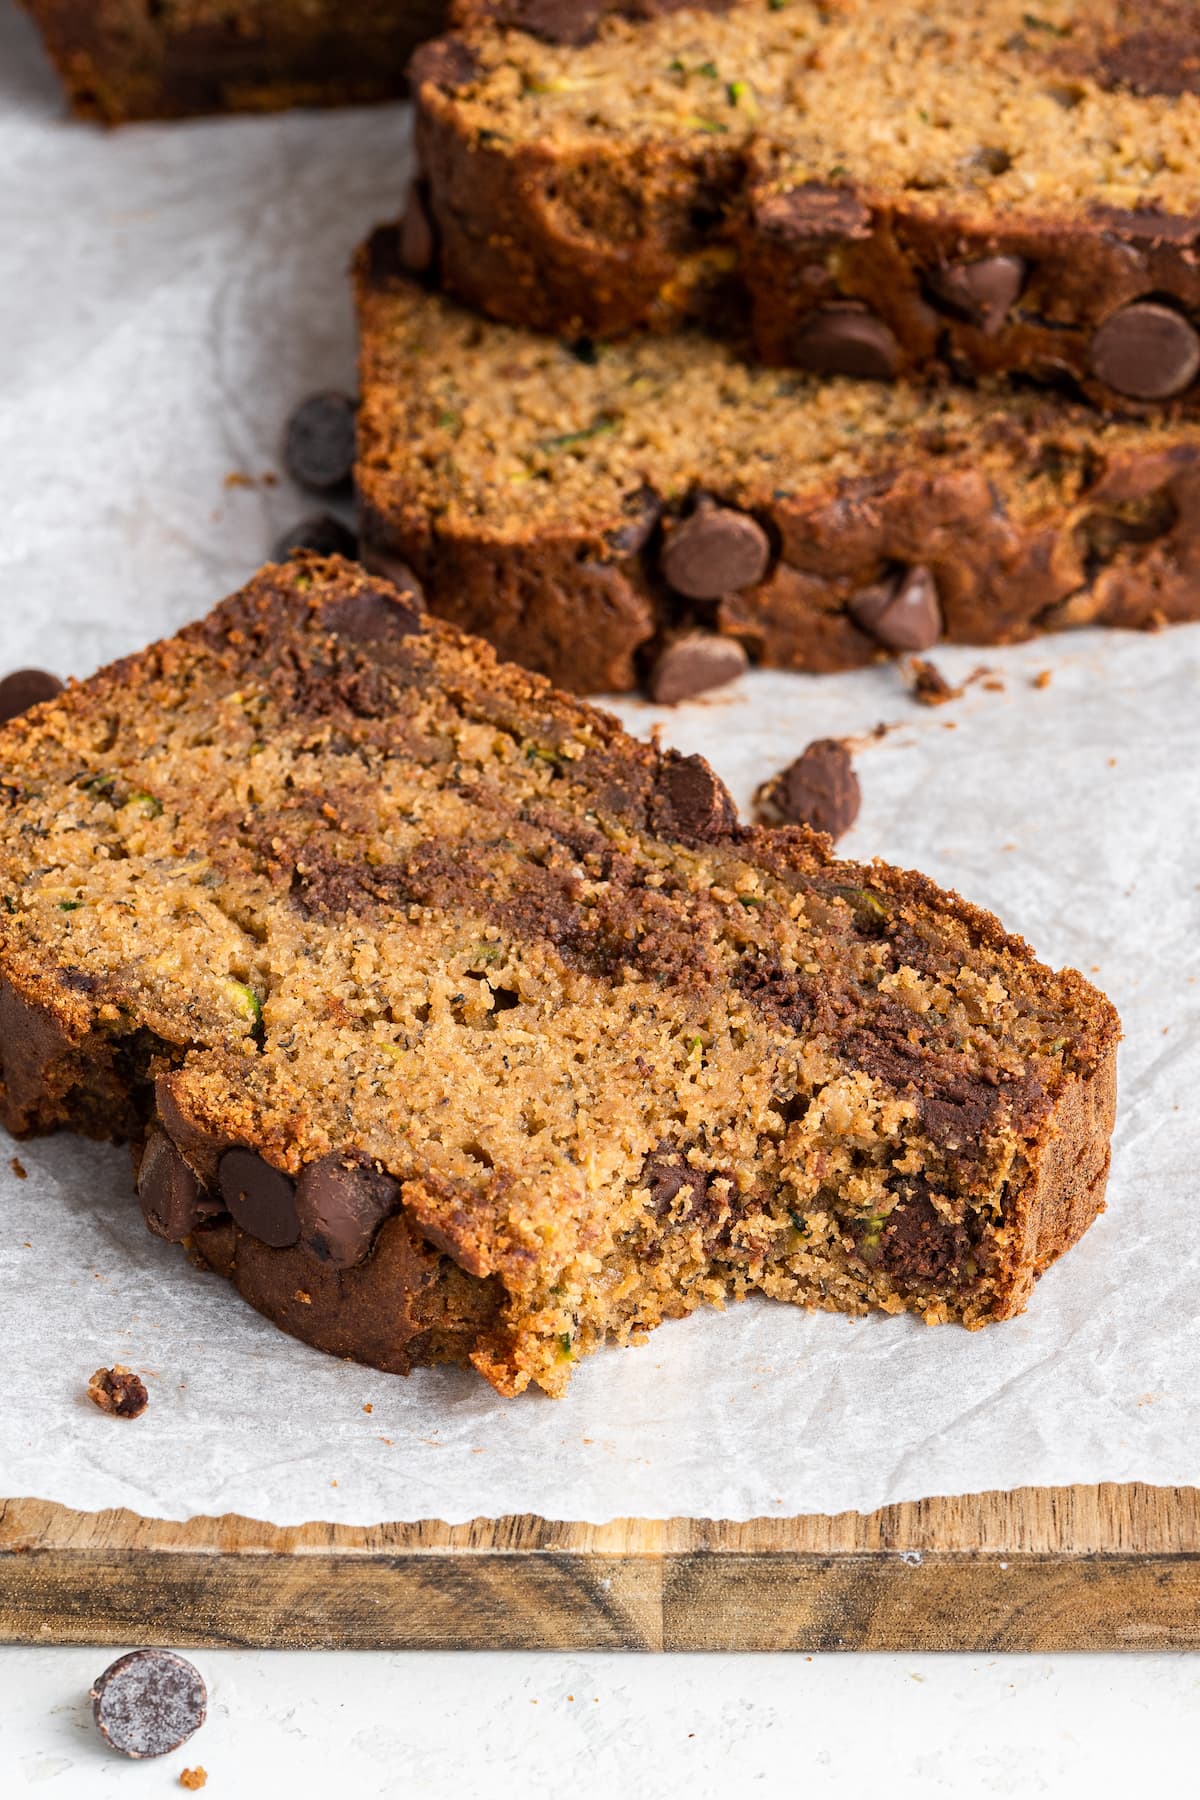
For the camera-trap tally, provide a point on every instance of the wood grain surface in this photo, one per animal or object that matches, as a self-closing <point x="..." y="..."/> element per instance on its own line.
<point x="1078" y="1568"/>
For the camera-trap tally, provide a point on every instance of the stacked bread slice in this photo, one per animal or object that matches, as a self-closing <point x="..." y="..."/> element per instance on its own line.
<point x="980" y="223"/>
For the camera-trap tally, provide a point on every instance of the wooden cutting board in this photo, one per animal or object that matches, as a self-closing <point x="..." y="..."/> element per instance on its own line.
<point x="1045" y="1569"/>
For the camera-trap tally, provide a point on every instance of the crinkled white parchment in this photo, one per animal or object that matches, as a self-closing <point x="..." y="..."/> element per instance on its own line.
<point x="165" y="295"/>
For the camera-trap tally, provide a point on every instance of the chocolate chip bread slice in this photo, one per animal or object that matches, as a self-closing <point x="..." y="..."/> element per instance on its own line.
<point x="657" y="510"/>
<point x="887" y="185"/>
<point x="460" y="1026"/>
<point x="154" y="59"/>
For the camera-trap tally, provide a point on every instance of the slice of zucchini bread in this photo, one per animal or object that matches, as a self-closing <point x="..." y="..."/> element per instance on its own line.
<point x="888" y="185"/>
<point x="458" y="1025"/>
<point x="590" y="507"/>
<point x="156" y="59"/>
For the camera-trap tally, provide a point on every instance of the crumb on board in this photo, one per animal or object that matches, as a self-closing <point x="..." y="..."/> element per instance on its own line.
<point x="1042" y="679"/>
<point x="18" y="1168"/>
<point x="193" y="1779"/>
<point x="367" y="1407"/>
<point x="929" y="685"/>
<point x="118" y="1391"/>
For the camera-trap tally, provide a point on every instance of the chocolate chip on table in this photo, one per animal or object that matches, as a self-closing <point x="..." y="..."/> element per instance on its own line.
<point x="982" y="292"/>
<point x="692" y="801"/>
<point x="695" y="664"/>
<point x="716" y="550"/>
<point x="1146" y="351"/>
<point x="902" y="614"/>
<point x="819" y="789"/>
<point x="416" y="232"/>
<point x="25" y="688"/>
<point x="261" y="1198"/>
<point x="172" y="1202"/>
<point x="322" y="534"/>
<point x="318" y="448"/>
<point x="118" y="1391"/>
<point x="149" y="1702"/>
<point x="341" y="1203"/>
<point x="847" y="340"/>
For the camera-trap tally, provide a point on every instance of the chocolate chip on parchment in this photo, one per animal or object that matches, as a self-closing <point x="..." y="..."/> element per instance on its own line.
<point x="417" y="243"/>
<point x="173" y="1204"/>
<point x="692" y="802"/>
<point x="25" y="688"/>
<point x="981" y="292"/>
<point x="847" y="340"/>
<point x="716" y="550"/>
<point x="819" y="789"/>
<point x="1146" y="351"/>
<point x="341" y="1202"/>
<point x="902" y="614"/>
<point x="320" y="533"/>
<point x="149" y="1702"/>
<point x="118" y="1391"/>
<point x="694" y="664"/>
<point x="261" y="1198"/>
<point x="318" y="448"/>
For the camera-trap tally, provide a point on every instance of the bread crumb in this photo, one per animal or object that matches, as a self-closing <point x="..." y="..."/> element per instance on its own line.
<point x="303" y="1297"/>
<point x="929" y="685"/>
<point x="193" y="1778"/>
<point x="1042" y="679"/>
<point x="18" y="1168"/>
<point x="118" y="1391"/>
<point x="237" y="478"/>
<point x="367" y="1407"/>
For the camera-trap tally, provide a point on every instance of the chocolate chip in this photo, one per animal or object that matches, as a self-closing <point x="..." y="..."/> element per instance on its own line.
<point x="903" y="614"/>
<point x="260" y="1197"/>
<point x="322" y="534"/>
<point x="845" y="340"/>
<point x="570" y="22"/>
<point x="373" y="616"/>
<point x="692" y="802"/>
<point x="25" y="688"/>
<point x="715" y="551"/>
<point x="694" y="664"/>
<point x="393" y="569"/>
<point x="982" y="292"/>
<point x="319" y="446"/>
<point x="642" y="509"/>
<point x="1146" y="351"/>
<point x="819" y="789"/>
<point x="149" y="1702"/>
<point x="811" y="214"/>
<point x="342" y="1201"/>
<point x="172" y="1202"/>
<point x="118" y="1391"/>
<point x="416" y="232"/>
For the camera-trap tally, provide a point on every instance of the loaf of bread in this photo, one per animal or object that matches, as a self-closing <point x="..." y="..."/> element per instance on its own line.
<point x="451" y="1023"/>
<point x="155" y="59"/>
<point x="656" y="510"/>
<point x="883" y="186"/>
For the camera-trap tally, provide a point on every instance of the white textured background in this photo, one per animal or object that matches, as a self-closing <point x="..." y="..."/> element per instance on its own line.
<point x="113" y="493"/>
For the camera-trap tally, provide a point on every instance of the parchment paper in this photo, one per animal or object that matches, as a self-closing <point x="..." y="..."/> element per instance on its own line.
<point x="165" y="295"/>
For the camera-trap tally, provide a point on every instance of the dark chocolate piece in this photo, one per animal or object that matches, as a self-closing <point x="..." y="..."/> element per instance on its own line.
<point x="318" y="450"/>
<point x="341" y="1202"/>
<point x="25" y="688"/>
<point x="322" y="534"/>
<point x="819" y="789"/>
<point x="173" y="1204"/>
<point x="903" y="614"/>
<point x="261" y="1198"/>
<point x="692" y="801"/>
<point x="1147" y="351"/>
<point x="981" y="292"/>
<point x="695" y="664"/>
<point x="149" y="1702"/>
<point x="846" y="340"/>
<point x="716" y="550"/>
<point x="374" y="616"/>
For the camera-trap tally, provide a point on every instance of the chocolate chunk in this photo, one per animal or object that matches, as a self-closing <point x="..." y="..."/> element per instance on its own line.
<point x="341" y="1202"/>
<point x="692" y="802"/>
<point x="694" y="664"/>
<point x="374" y="616"/>
<point x="118" y="1391"/>
<point x="393" y="569"/>
<point x="149" y="1702"/>
<point x="172" y="1202"/>
<point x="262" y="1199"/>
<point x="917" y="1247"/>
<point x="322" y="534"/>
<point x="1147" y="351"/>
<point x="716" y="550"/>
<point x="819" y="789"/>
<point x="318" y="449"/>
<point x="25" y="688"/>
<point x="847" y="340"/>
<point x="642" y="508"/>
<point x="813" y="213"/>
<point x="417" y="244"/>
<point x="903" y="614"/>
<point x="981" y="292"/>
